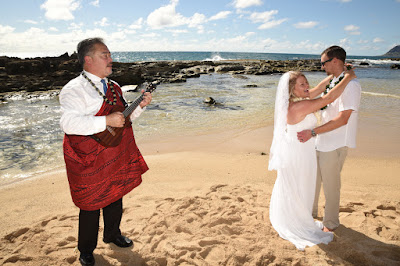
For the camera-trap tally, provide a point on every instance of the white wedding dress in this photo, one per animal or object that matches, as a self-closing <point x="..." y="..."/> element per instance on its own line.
<point x="293" y="193"/>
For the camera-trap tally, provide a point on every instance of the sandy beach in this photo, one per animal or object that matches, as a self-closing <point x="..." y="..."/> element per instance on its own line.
<point x="205" y="201"/>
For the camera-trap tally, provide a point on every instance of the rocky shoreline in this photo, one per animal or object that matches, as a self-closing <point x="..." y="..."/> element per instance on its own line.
<point x="30" y="76"/>
<point x="52" y="73"/>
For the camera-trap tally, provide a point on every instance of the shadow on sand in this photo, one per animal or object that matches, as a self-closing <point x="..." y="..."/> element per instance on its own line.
<point x="352" y="247"/>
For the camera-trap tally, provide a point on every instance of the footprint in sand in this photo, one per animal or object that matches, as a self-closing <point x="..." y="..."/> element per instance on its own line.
<point x="351" y="207"/>
<point x="14" y="235"/>
<point x="386" y="207"/>
<point x="44" y="243"/>
<point x="213" y="230"/>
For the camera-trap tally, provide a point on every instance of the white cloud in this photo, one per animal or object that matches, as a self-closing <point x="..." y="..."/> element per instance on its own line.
<point x="95" y="3"/>
<point x="166" y="16"/>
<point x="55" y="44"/>
<point x="120" y="35"/>
<point x="233" y="44"/>
<point x="378" y="40"/>
<point x="306" y="25"/>
<point x="257" y="17"/>
<point x="60" y="9"/>
<point x="307" y="46"/>
<point x="355" y="33"/>
<point x="351" y="28"/>
<point x="266" y="18"/>
<point x="96" y="32"/>
<point x="150" y="35"/>
<point x="59" y="43"/>
<point x="241" y="4"/>
<point x="6" y="29"/>
<point x="271" y="24"/>
<point x="237" y="39"/>
<point x="236" y="43"/>
<point x="54" y="29"/>
<point x="363" y="42"/>
<point x="128" y="31"/>
<point x="103" y="22"/>
<point x="368" y="48"/>
<point x="177" y="32"/>
<point x="29" y="21"/>
<point x="268" y="43"/>
<point x="220" y="15"/>
<point x="345" y="43"/>
<point x="75" y="26"/>
<point x="310" y="46"/>
<point x="196" y="20"/>
<point x="345" y="1"/>
<point x="138" y="24"/>
<point x="200" y="29"/>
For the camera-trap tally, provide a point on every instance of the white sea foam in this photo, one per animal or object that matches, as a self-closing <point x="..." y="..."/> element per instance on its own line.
<point x="30" y="96"/>
<point x="375" y="62"/>
<point x="16" y="176"/>
<point x="381" y="94"/>
<point x="129" y="88"/>
<point x="215" y="57"/>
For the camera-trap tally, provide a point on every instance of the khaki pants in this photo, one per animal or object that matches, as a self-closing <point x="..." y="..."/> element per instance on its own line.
<point x="330" y="165"/>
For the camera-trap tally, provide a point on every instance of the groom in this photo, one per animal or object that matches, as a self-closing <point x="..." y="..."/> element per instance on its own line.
<point x="336" y="134"/>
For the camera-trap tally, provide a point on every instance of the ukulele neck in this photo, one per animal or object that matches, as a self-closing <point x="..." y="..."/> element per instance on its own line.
<point x="133" y="106"/>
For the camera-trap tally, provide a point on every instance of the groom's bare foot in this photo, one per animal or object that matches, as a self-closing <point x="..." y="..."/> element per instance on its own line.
<point x="326" y="229"/>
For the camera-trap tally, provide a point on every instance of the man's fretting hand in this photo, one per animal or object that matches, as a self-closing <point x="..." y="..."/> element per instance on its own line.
<point x="116" y="119"/>
<point x="146" y="99"/>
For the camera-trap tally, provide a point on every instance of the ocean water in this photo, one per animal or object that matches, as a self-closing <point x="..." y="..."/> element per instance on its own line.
<point x="31" y="139"/>
<point x="210" y="56"/>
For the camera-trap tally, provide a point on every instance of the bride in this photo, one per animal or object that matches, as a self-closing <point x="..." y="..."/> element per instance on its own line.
<point x="296" y="164"/>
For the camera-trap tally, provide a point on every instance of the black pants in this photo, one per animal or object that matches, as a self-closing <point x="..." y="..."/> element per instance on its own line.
<point x="89" y="226"/>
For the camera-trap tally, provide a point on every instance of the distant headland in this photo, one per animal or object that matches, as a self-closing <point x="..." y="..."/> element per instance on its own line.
<point x="394" y="52"/>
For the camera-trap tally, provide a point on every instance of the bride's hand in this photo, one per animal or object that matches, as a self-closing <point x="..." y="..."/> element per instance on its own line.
<point x="348" y="66"/>
<point x="350" y="71"/>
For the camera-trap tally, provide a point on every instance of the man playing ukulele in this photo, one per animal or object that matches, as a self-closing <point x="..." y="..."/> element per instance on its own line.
<point x="98" y="176"/>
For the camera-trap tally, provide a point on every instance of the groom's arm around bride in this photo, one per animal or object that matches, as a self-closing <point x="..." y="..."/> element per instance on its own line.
<point x="336" y="134"/>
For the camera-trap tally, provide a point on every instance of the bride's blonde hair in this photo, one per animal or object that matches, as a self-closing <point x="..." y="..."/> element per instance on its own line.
<point x="294" y="75"/>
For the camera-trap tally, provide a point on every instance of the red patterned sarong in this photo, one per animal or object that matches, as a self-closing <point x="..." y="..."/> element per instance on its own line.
<point x="99" y="176"/>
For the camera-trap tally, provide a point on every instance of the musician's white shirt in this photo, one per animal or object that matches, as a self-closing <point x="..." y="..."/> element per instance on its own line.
<point x="80" y="102"/>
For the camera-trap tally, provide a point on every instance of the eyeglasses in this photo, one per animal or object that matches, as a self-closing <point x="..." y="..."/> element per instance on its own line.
<point x="326" y="61"/>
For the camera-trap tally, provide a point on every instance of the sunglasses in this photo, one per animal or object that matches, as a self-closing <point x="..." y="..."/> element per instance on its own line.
<point x="326" y="61"/>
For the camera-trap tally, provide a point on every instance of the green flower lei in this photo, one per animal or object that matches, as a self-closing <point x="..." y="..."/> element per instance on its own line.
<point x="328" y="88"/>
<point x="110" y="84"/>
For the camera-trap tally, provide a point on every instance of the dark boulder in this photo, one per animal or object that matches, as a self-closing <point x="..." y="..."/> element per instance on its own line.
<point x="210" y="100"/>
<point x="127" y="76"/>
<point x="26" y="67"/>
<point x="70" y="65"/>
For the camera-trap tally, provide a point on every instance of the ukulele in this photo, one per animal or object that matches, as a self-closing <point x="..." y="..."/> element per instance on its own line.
<point x="112" y="136"/>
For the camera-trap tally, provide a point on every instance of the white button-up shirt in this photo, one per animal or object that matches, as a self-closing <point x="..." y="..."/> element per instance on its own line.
<point x="80" y="102"/>
<point x="344" y="136"/>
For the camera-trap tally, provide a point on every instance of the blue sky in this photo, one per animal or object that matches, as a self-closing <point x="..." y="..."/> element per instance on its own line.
<point x="53" y="27"/>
